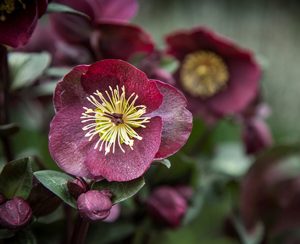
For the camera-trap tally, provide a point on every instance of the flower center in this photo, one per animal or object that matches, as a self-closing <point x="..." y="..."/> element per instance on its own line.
<point x="9" y="6"/>
<point x="203" y="74"/>
<point x="114" y="119"/>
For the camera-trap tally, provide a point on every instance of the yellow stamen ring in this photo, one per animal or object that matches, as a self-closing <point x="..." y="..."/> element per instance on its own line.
<point x="113" y="119"/>
<point x="203" y="74"/>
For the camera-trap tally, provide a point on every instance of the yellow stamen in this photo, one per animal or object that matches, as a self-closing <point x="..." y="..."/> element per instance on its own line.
<point x="203" y="74"/>
<point x="113" y="119"/>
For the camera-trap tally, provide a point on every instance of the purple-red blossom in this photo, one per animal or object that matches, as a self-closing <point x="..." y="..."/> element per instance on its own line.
<point x="77" y="30"/>
<point x="18" y="20"/>
<point x="94" y="205"/>
<point x="15" y="213"/>
<point x="167" y="205"/>
<point x="218" y="77"/>
<point x="112" y="121"/>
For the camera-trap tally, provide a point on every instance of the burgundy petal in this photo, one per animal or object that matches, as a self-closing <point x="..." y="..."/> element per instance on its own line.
<point x="121" y="10"/>
<point x="111" y="72"/>
<point x="177" y="120"/>
<point x="42" y="6"/>
<point x="132" y="164"/>
<point x="121" y="41"/>
<point x="69" y="90"/>
<point x="16" y="30"/>
<point x="67" y="144"/>
<point x="242" y="87"/>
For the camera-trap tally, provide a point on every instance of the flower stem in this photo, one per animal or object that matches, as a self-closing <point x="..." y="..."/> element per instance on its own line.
<point x="4" y="101"/>
<point x="80" y="231"/>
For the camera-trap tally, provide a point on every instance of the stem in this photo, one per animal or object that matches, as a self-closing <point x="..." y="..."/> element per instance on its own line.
<point x="4" y="101"/>
<point x="80" y="231"/>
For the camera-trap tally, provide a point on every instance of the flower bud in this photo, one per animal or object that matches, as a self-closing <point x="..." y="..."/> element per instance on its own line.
<point x="94" y="205"/>
<point x="77" y="187"/>
<point x="15" y="213"/>
<point x="167" y="205"/>
<point x="256" y="136"/>
<point x="114" y="214"/>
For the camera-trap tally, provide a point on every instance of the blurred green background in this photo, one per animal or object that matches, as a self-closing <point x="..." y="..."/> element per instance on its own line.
<point x="269" y="27"/>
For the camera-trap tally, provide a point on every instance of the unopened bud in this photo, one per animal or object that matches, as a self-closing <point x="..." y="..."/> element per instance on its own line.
<point x="94" y="205"/>
<point x="77" y="187"/>
<point x="167" y="205"/>
<point x="15" y="213"/>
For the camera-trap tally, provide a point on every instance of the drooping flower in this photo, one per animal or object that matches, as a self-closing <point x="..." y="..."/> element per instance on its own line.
<point x="18" y="19"/>
<point x="167" y="205"/>
<point x="218" y="77"/>
<point x="112" y="121"/>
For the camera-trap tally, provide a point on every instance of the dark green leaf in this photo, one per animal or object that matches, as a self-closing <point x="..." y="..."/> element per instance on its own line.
<point x="16" y="178"/>
<point x="121" y="190"/>
<point x="44" y="89"/>
<point x="56" y="182"/>
<point x="26" y="68"/>
<point x="9" y="129"/>
<point x="4" y="234"/>
<point x="165" y="162"/>
<point x="60" y="8"/>
<point x="23" y="237"/>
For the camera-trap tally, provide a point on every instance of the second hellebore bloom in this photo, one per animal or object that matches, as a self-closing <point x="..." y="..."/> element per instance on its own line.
<point x="218" y="77"/>
<point x="112" y="121"/>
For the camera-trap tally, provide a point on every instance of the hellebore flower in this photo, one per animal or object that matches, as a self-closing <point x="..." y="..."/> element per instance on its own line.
<point x="18" y="19"/>
<point x="167" y="205"/>
<point x="15" y="213"/>
<point x="270" y="193"/>
<point x="94" y="205"/>
<point x="76" y="29"/>
<point x="217" y="77"/>
<point x="112" y="121"/>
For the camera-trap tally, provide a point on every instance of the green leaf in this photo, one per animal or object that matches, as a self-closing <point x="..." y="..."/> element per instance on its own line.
<point x="57" y="71"/>
<point x="61" y="8"/>
<point x="16" y="178"/>
<point x="169" y="64"/>
<point x="26" y="68"/>
<point x="44" y="89"/>
<point x="56" y="182"/>
<point x="4" y="234"/>
<point x="165" y="162"/>
<point x="9" y="129"/>
<point x="121" y="190"/>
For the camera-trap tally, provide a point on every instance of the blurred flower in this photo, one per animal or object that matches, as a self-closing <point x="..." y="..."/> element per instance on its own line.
<point x="94" y="205"/>
<point x="18" y="19"/>
<point x="270" y="193"/>
<point x="255" y="131"/>
<point x="256" y="135"/>
<point x="15" y="213"/>
<point x="218" y="77"/>
<point x="77" y="30"/>
<point x="167" y="205"/>
<point x="77" y="187"/>
<point x="112" y="121"/>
